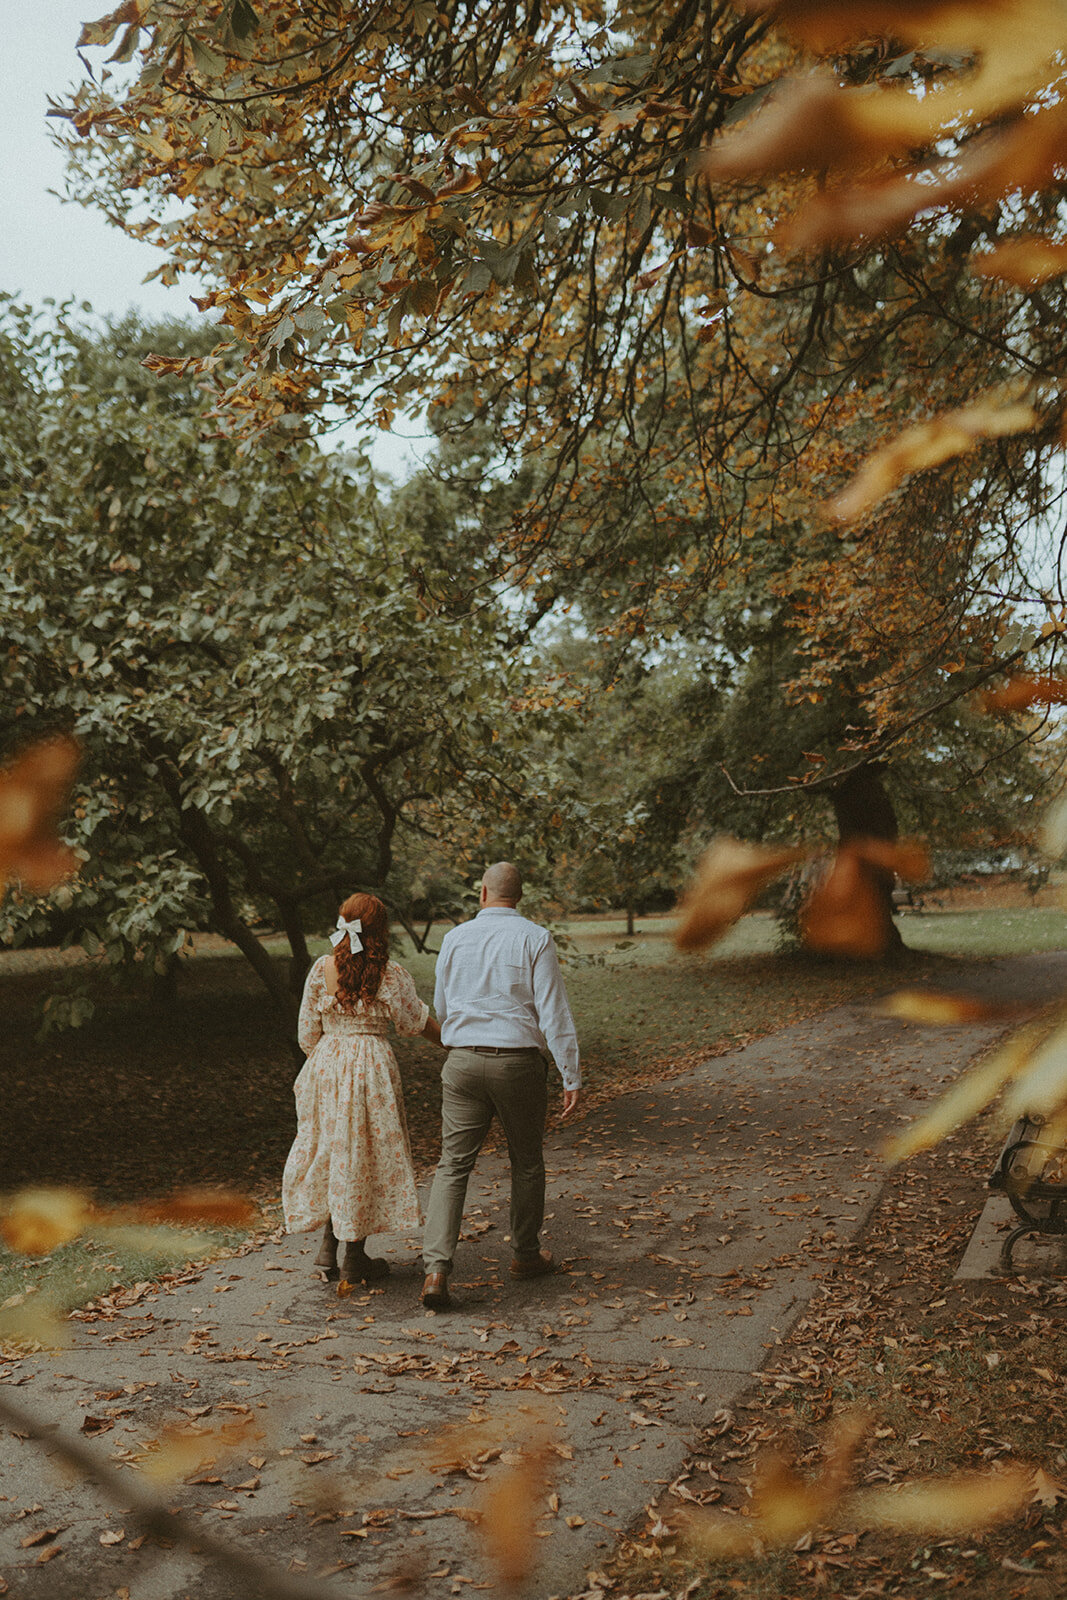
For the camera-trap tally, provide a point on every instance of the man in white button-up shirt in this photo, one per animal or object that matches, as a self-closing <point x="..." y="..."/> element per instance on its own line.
<point x="501" y="1002"/>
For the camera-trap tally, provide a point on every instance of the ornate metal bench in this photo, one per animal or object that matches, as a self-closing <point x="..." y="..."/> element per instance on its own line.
<point x="1032" y="1172"/>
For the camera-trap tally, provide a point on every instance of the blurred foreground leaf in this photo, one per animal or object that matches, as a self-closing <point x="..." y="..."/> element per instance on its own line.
<point x="728" y="878"/>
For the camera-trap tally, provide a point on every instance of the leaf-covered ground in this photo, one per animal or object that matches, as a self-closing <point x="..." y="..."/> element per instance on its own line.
<point x="954" y="1376"/>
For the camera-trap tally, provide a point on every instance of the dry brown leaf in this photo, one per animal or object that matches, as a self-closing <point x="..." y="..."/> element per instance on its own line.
<point x="1025" y="155"/>
<point x="509" y="1510"/>
<point x="729" y="876"/>
<point x="959" y="1504"/>
<point x="785" y="1504"/>
<point x="35" y="1221"/>
<point x="906" y="858"/>
<point x="967" y="1097"/>
<point x="1024" y="691"/>
<point x="93" y="1425"/>
<point x="934" y="1006"/>
<point x="1054" y="829"/>
<point x="209" y="1206"/>
<point x="1039" y="1087"/>
<point x="179" y="1452"/>
<point x="1045" y="1490"/>
<point x="808" y="123"/>
<point x="927" y="445"/>
<point x="33" y="1324"/>
<point x="826" y="25"/>
<point x="846" y="913"/>
<point x="1024" y="262"/>
<point x="42" y="1536"/>
<point x="33" y="794"/>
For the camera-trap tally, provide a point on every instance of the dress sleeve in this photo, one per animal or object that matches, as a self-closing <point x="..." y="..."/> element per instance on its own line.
<point x="309" y="1024"/>
<point x="408" y="1012"/>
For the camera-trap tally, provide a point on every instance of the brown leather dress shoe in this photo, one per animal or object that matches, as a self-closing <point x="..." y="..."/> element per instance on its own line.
<point x="435" y="1292"/>
<point x="533" y="1266"/>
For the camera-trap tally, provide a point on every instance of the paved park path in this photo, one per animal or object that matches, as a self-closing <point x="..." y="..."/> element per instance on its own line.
<point x="693" y="1219"/>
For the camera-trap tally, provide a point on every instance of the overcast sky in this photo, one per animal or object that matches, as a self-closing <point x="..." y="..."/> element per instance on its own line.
<point x="52" y="250"/>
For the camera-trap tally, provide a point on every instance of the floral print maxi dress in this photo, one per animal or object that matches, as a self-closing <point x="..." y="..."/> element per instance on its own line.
<point x="351" y="1161"/>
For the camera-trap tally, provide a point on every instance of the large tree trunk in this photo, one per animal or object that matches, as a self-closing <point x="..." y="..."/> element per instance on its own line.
<point x="863" y="810"/>
<point x="299" y="954"/>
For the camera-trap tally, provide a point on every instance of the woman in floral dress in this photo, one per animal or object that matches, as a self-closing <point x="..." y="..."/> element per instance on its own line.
<point x="350" y="1169"/>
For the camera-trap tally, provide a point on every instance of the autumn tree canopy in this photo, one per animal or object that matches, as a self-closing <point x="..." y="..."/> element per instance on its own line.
<point x="570" y="218"/>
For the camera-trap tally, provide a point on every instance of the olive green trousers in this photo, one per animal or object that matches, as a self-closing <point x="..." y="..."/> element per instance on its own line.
<point x="512" y="1086"/>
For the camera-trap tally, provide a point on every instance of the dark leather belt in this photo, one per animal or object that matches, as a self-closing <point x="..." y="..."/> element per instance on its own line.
<point x="497" y="1050"/>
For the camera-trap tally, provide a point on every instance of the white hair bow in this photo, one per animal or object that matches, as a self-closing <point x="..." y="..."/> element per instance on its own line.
<point x="353" y="930"/>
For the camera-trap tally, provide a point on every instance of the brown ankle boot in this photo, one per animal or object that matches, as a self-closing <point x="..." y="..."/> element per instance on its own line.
<point x="327" y="1256"/>
<point x="358" y="1267"/>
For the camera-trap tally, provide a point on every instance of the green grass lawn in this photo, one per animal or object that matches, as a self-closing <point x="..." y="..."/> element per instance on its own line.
<point x="987" y="933"/>
<point x="89" y="1266"/>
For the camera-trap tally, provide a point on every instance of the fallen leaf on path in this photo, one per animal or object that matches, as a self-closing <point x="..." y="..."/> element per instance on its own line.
<point x="42" y="1536"/>
<point x="1044" y="1490"/>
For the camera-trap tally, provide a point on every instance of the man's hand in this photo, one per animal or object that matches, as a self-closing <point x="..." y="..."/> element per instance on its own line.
<point x="570" y="1100"/>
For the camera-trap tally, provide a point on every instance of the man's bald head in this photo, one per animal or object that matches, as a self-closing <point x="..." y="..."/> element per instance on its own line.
<point x="502" y="882"/>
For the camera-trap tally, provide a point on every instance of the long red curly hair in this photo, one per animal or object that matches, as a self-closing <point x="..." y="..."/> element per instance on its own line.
<point x="359" y="976"/>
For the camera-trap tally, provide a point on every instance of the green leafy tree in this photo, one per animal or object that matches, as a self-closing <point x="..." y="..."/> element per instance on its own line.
<point x="269" y="718"/>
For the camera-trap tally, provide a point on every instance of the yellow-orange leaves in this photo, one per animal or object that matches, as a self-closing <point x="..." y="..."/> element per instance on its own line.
<point x="1024" y="691"/>
<point x="847" y="914"/>
<point x="36" y="1221"/>
<point x="1025" y="262"/>
<point x="33" y="793"/>
<point x="927" y="445"/>
<point x="729" y="876"/>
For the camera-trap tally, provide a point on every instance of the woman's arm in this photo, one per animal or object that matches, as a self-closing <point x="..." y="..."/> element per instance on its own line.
<point x="309" y="1024"/>
<point x="432" y="1030"/>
